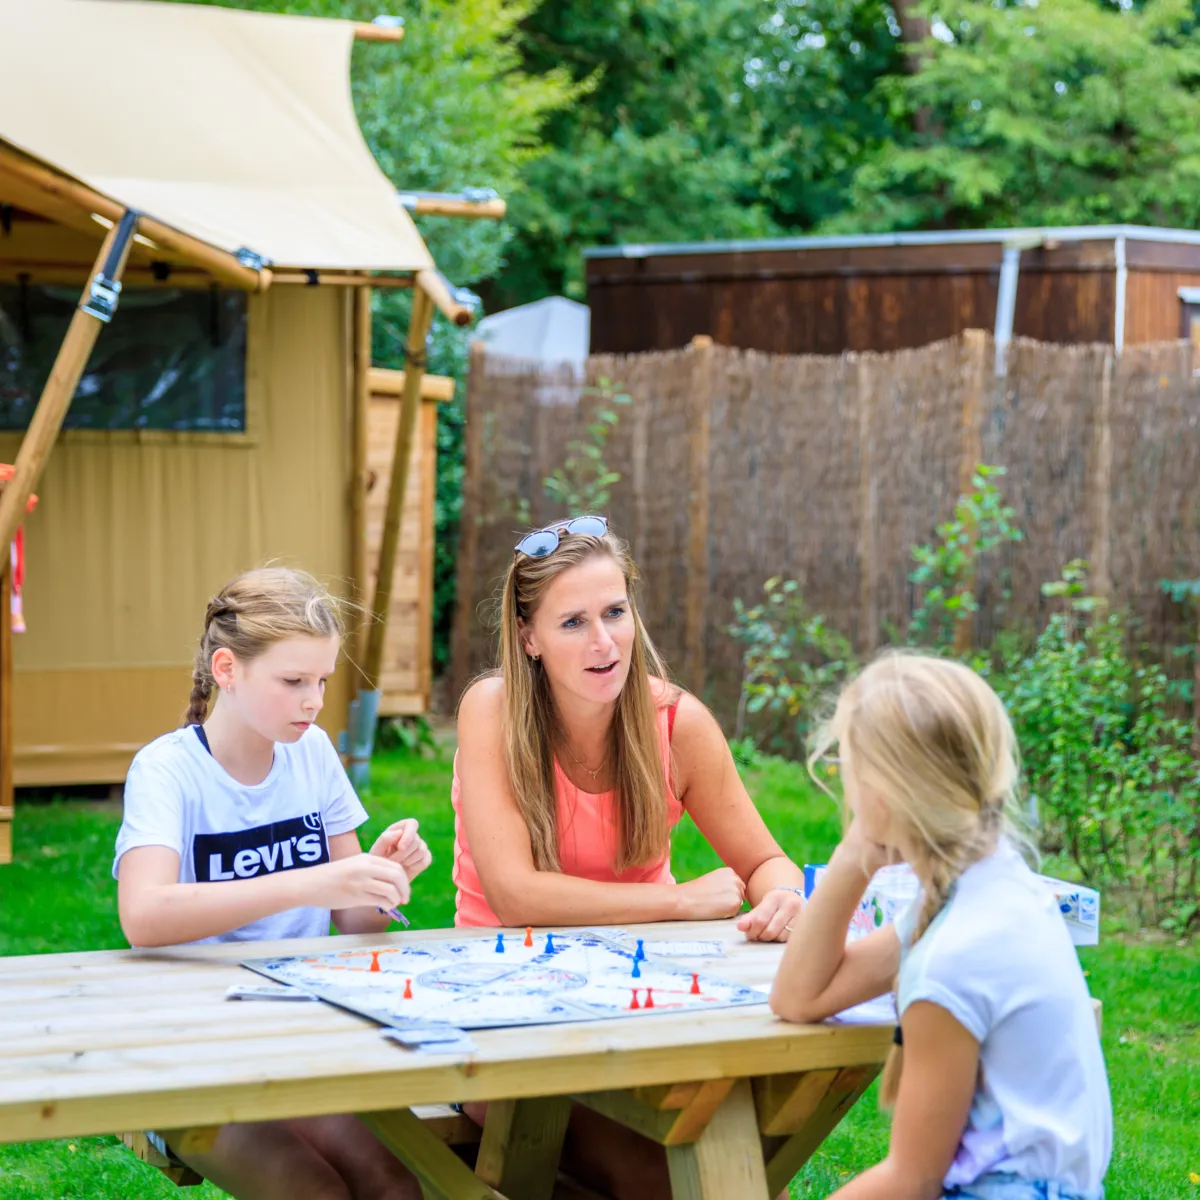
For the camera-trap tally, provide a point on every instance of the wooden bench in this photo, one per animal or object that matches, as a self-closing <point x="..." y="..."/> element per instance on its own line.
<point x="447" y="1124"/>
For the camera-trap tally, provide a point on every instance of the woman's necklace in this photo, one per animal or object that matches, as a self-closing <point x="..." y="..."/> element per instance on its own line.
<point x="580" y="763"/>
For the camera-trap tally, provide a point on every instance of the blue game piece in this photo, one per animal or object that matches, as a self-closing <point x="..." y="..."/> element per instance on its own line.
<point x="637" y="969"/>
<point x="639" y="954"/>
<point x="499" y="943"/>
<point x="549" y="944"/>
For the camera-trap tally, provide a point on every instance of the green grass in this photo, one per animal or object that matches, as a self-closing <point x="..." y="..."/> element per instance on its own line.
<point x="59" y="895"/>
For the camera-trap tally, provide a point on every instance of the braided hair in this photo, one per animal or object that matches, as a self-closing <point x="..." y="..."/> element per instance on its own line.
<point x="253" y="612"/>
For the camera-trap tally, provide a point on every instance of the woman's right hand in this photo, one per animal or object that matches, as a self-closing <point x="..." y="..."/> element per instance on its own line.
<point x="356" y="881"/>
<point x="718" y="894"/>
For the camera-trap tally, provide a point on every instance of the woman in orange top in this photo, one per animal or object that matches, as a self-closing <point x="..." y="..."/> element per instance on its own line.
<point x="577" y="758"/>
<point x="574" y="762"/>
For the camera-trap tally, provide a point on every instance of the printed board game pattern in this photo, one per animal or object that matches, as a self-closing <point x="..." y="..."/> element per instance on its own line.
<point x="505" y="979"/>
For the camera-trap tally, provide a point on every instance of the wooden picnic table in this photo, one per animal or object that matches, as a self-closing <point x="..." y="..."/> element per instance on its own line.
<point x="113" y="1041"/>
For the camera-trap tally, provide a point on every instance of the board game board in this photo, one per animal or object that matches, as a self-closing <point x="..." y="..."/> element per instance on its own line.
<point x="505" y="979"/>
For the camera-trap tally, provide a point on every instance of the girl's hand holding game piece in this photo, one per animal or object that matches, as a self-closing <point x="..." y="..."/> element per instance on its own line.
<point x="359" y="881"/>
<point x="401" y="843"/>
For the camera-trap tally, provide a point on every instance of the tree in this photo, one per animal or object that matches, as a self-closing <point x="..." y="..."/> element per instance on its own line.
<point x="1063" y="113"/>
<point x="702" y="119"/>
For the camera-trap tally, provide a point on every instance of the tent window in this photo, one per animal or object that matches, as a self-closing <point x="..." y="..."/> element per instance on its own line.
<point x="171" y="359"/>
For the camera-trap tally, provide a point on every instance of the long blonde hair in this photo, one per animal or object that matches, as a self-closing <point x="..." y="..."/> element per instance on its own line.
<point x="935" y="742"/>
<point x="253" y="612"/>
<point x="532" y="730"/>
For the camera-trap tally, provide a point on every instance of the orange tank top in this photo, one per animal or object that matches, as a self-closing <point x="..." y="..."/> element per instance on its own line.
<point x="588" y="837"/>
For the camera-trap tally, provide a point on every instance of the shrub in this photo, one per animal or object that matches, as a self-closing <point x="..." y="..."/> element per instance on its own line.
<point x="792" y="661"/>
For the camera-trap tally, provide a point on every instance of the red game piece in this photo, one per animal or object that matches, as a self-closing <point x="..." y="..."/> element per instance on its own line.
<point x="529" y="935"/>
<point x="408" y="989"/>
<point x="649" y="998"/>
<point x="635" y="1003"/>
<point x="695" y="984"/>
<point x="374" y="961"/>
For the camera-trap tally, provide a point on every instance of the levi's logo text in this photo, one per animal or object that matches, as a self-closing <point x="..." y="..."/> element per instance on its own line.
<point x="280" y="846"/>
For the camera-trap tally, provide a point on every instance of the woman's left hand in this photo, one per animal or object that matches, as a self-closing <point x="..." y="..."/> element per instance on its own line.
<point x="404" y="845"/>
<point x="768" y="921"/>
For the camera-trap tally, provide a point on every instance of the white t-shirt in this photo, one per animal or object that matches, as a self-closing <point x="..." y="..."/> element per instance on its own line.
<point x="999" y="959"/>
<point x="177" y="795"/>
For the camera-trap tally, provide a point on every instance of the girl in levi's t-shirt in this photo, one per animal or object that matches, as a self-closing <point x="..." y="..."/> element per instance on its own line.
<point x="996" y="1077"/>
<point x="241" y="826"/>
<point x="575" y="760"/>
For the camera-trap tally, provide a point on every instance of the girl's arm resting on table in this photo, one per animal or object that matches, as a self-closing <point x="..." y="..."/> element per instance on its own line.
<point x="941" y="1065"/>
<point x="520" y="894"/>
<point x="157" y="910"/>
<point x="820" y="975"/>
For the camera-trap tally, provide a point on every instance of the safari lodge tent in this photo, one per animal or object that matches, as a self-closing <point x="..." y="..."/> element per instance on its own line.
<point x="226" y="415"/>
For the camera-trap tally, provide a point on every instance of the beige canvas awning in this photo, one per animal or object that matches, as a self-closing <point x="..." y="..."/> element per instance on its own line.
<point x="236" y="128"/>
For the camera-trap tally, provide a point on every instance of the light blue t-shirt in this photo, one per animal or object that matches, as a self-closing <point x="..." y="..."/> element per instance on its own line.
<point x="177" y="795"/>
<point x="999" y="959"/>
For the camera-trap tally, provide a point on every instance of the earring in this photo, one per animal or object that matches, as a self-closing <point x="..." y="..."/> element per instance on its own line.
<point x="536" y="657"/>
<point x="229" y="688"/>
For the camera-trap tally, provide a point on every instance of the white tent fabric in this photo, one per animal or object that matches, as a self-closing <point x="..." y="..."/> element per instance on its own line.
<point x="234" y="127"/>
<point x="554" y="330"/>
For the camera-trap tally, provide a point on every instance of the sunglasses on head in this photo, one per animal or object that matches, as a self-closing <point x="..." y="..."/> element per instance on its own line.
<point x="545" y="541"/>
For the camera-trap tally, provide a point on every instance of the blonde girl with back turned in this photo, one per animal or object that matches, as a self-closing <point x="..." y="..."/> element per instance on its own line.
<point x="240" y="826"/>
<point x="997" y="1078"/>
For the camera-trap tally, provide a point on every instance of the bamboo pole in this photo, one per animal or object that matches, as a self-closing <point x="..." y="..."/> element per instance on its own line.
<point x="316" y="278"/>
<point x="868" y="616"/>
<point x="434" y="285"/>
<point x="358" y="480"/>
<point x="1102" y="485"/>
<point x="366" y="31"/>
<point x="415" y="359"/>
<point x="461" y="665"/>
<point x="696" y="611"/>
<point x="223" y="265"/>
<point x="60" y="386"/>
<point x="454" y="206"/>
<point x="975" y="341"/>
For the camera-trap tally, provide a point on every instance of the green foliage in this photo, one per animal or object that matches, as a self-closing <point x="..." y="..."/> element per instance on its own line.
<point x="1019" y="113"/>
<point x="582" y="484"/>
<point x="702" y="119"/>
<point x="408" y="735"/>
<point x="947" y="571"/>
<point x="792" y="661"/>
<point x="1112" y="771"/>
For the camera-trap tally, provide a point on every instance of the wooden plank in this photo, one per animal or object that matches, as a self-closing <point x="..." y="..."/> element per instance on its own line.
<point x="522" y="1143"/>
<point x="786" y="1103"/>
<point x="669" y="1126"/>
<point x="448" y="1124"/>
<point x="726" y="1160"/>
<point x="699" y="441"/>
<point x="785" y="1157"/>
<point x="385" y="382"/>
<point x="435" y="1165"/>
<point x="422" y="315"/>
<point x="361" y="432"/>
<point x="427" y="476"/>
